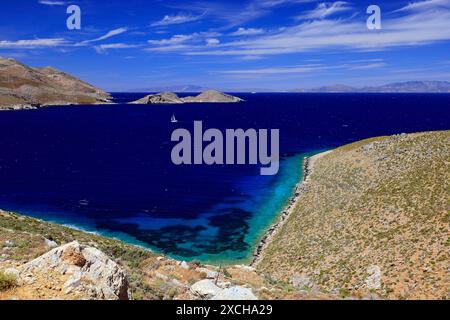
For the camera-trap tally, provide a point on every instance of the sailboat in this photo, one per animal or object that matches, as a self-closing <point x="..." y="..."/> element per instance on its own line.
<point x="173" y="119"/>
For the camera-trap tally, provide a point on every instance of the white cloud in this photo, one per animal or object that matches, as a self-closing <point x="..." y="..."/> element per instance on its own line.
<point x="247" y="32"/>
<point x="108" y="35"/>
<point x="104" y="47"/>
<point x="32" y="44"/>
<point x="304" y="69"/>
<point x="53" y="3"/>
<point x="170" y="48"/>
<point x="416" y="28"/>
<point x="369" y="66"/>
<point x="197" y="37"/>
<point x="280" y="70"/>
<point x="212" y="42"/>
<point x="178" y="38"/>
<point x="424" y="5"/>
<point x="324" y="10"/>
<point x="176" y="19"/>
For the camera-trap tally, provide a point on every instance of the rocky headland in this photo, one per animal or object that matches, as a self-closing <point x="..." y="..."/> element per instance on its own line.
<point x="24" y="87"/>
<point x="372" y="219"/>
<point x="210" y="96"/>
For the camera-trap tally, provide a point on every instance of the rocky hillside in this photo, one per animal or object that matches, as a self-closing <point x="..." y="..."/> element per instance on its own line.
<point x="25" y="87"/>
<point x="373" y="220"/>
<point x="41" y="260"/>
<point x="210" y="96"/>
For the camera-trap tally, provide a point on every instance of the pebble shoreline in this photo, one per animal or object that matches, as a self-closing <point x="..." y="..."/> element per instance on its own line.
<point x="308" y="166"/>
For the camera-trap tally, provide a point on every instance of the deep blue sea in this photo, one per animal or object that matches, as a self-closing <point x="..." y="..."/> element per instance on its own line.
<point x="107" y="169"/>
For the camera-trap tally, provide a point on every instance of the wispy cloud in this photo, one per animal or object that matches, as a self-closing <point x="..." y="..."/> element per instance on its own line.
<point x="237" y="13"/>
<point x="33" y="44"/>
<point x="247" y="32"/>
<point x="108" y="35"/>
<point x="176" y="39"/>
<point x="369" y="66"/>
<point x="304" y="69"/>
<point x="325" y="9"/>
<point x="417" y="28"/>
<point x="212" y="42"/>
<point x="279" y="70"/>
<point x="424" y="5"/>
<point x="177" y="19"/>
<point x="53" y="3"/>
<point x="197" y="37"/>
<point x="104" y="47"/>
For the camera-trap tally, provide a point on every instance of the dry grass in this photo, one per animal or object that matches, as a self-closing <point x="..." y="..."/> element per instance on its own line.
<point x="382" y="202"/>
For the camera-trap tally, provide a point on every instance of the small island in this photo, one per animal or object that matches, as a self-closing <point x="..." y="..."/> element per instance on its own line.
<point x="209" y="96"/>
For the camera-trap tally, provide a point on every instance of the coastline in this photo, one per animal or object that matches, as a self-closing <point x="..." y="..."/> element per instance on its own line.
<point x="301" y="187"/>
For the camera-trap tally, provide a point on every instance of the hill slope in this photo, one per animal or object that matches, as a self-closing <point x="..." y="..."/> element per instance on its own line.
<point x="374" y="218"/>
<point x="22" y="86"/>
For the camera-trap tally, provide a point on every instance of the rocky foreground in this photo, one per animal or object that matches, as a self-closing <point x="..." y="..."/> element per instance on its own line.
<point x="210" y="96"/>
<point x="23" y="87"/>
<point x="374" y="219"/>
<point x="41" y="260"/>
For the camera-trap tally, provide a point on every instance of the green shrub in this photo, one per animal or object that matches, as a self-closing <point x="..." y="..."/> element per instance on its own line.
<point x="7" y="281"/>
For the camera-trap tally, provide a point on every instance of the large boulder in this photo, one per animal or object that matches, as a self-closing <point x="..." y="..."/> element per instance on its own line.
<point x="205" y="289"/>
<point x="79" y="271"/>
<point x="235" y="293"/>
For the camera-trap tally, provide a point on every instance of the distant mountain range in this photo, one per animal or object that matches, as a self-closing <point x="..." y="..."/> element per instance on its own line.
<point x="406" y="87"/>
<point x="398" y="87"/>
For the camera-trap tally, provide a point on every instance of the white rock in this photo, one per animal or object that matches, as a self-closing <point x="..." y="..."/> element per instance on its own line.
<point x="244" y="267"/>
<point x="373" y="282"/>
<point x="205" y="289"/>
<point x="210" y="274"/>
<point x="184" y="265"/>
<point x="235" y="293"/>
<point x="101" y="277"/>
<point x="8" y="243"/>
<point x="50" y="243"/>
<point x="301" y="281"/>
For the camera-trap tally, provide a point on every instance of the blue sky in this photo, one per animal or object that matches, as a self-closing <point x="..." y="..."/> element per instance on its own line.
<point x="273" y="44"/>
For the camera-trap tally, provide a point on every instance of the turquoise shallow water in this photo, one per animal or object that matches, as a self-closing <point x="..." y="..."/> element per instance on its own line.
<point x="266" y="205"/>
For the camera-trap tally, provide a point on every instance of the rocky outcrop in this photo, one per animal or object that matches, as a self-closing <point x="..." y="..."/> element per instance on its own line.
<point x="207" y="289"/>
<point x="210" y="96"/>
<point x="160" y="98"/>
<point x="235" y="293"/>
<point x="23" y="87"/>
<point x="74" y="271"/>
